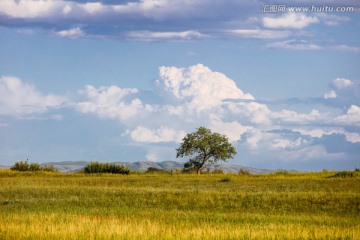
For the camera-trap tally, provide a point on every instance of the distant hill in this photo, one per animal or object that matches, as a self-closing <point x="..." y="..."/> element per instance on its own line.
<point x="142" y="166"/>
<point x="5" y="167"/>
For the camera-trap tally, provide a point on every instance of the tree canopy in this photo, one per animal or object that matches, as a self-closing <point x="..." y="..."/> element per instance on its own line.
<point x="204" y="147"/>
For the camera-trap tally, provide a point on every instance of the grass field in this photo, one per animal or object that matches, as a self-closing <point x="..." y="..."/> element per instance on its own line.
<point x="143" y="206"/>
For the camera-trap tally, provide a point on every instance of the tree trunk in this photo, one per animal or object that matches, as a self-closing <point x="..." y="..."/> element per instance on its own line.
<point x="198" y="171"/>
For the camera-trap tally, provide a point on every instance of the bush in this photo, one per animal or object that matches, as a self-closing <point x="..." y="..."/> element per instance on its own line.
<point x="244" y="172"/>
<point x="96" y="167"/>
<point x="343" y="174"/>
<point x="225" y="179"/>
<point x="34" y="167"/>
<point x="21" y="166"/>
<point x="282" y="173"/>
<point x="49" y="168"/>
<point x="155" y="170"/>
<point x="189" y="170"/>
<point x="218" y="171"/>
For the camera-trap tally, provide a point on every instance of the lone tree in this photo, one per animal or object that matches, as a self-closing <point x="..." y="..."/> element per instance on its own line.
<point x="204" y="147"/>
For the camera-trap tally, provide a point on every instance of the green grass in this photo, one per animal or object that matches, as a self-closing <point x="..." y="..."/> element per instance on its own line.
<point x="151" y="206"/>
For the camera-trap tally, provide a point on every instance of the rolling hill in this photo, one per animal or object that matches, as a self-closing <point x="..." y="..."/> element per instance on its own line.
<point x="142" y="166"/>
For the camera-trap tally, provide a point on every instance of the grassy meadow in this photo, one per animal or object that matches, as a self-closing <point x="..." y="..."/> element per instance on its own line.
<point x="40" y="205"/>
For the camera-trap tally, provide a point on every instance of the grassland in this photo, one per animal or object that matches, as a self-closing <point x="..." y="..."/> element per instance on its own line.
<point x="144" y="206"/>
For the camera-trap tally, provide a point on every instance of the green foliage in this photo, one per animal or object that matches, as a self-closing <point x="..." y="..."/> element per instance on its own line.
<point x="282" y="173"/>
<point x="244" y="172"/>
<point x="49" y="168"/>
<point x="97" y="167"/>
<point x="218" y="171"/>
<point x="155" y="170"/>
<point x="33" y="167"/>
<point x="21" y="166"/>
<point x="204" y="147"/>
<point x="225" y="179"/>
<point x="344" y="174"/>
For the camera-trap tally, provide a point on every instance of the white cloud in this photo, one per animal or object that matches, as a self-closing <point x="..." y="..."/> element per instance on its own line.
<point x="346" y="48"/>
<point x="28" y="9"/>
<point x="294" y="45"/>
<point x="351" y="117"/>
<point x="289" y="21"/>
<point x="199" y="87"/>
<point x="310" y="153"/>
<point x="154" y="36"/>
<point x="21" y="99"/>
<point x="110" y="102"/>
<point x="71" y="33"/>
<point x="331" y="94"/>
<point x="233" y="130"/>
<point x="332" y="20"/>
<point x="341" y="83"/>
<point x="198" y="96"/>
<point x="286" y="116"/>
<point x="252" y="112"/>
<point x="287" y="144"/>
<point x="163" y="134"/>
<point x="258" y="33"/>
<point x="93" y="7"/>
<point x="343" y="93"/>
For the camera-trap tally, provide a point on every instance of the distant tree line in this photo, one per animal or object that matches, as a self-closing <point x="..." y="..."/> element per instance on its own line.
<point x="26" y="166"/>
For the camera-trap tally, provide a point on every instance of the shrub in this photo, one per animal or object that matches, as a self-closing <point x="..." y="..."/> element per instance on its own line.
<point x="49" y="168"/>
<point x="218" y="171"/>
<point x="343" y="174"/>
<point x="155" y="170"/>
<point x="225" y="179"/>
<point x="282" y="172"/>
<point x="21" y="166"/>
<point x="96" y="167"/>
<point x="189" y="170"/>
<point x="244" y="172"/>
<point x="34" y="167"/>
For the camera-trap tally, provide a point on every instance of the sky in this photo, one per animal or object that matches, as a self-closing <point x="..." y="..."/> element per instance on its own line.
<point x="126" y="80"/>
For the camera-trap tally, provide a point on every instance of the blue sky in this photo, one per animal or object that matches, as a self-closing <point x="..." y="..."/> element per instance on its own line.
<point x="126" y="80"/>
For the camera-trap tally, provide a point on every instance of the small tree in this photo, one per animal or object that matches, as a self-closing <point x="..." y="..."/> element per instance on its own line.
<point x="205" y="147"/>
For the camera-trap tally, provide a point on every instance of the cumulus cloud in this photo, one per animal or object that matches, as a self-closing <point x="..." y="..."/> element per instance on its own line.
<point x="163" y="134"/>
<point x="343" y="93"/>
<point x="351" y="117"/>
<point x="199" y="87"/>
<point x="21" y="99"/>
<point x="198" y="96"/>
<point x="112" y="102"/>
<point x="232" y="129"/>
<point x="290" y="21"/>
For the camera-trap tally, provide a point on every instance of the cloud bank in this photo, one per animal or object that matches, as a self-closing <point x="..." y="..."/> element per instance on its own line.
<point x="198" y="96"/>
